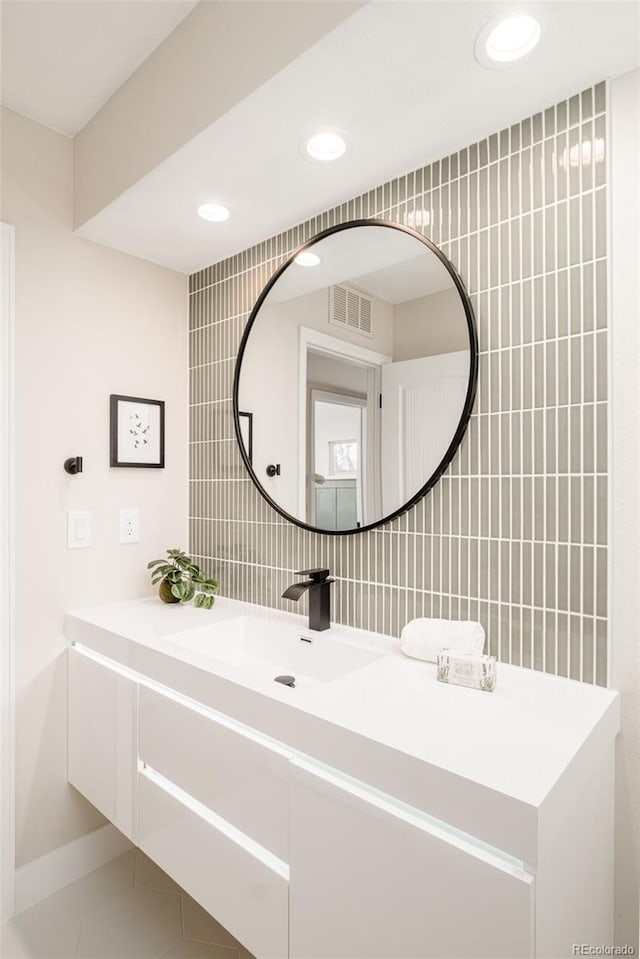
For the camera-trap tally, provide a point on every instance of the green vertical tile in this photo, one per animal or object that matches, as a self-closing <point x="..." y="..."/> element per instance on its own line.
<point x="601" y="438"/>
<point x="563" y="509"/>
<point x="600" y="151"/>
<point x="601" y="295"/>
<point x="588" y="305"/>
<point x="550" y="251"/>
<point x="601" y="366"/>
<point x="601" y="651"/>
<point x="575" y="297"/>
<point x="562" y="571"/>
<point x="600" y="223"/>
<point x="588" y="649"/>
<point x="562" y="166"/>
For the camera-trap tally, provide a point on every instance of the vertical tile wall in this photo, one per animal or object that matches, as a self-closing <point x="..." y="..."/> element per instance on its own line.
<point x="515" y="533"/>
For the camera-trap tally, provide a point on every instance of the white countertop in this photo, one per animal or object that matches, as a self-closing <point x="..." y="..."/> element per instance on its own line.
<point x="446" y="749"/>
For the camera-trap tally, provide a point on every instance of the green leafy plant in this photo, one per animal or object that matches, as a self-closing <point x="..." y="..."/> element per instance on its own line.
<point x="181" y="580"/>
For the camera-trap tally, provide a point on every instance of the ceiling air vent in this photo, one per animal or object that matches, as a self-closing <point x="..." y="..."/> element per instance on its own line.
<point x="350" y="309"/>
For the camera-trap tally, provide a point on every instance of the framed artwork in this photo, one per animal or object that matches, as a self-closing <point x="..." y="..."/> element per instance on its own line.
<point x="246" y="431"/>
<point x="137" y="432"/>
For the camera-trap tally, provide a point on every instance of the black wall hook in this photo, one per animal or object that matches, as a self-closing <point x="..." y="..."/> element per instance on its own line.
<point x="73" y="465"/>
<point x="273" y="470"/>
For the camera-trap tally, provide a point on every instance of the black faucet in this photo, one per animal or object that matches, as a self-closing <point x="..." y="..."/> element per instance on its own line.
<point x="319" y="596"/>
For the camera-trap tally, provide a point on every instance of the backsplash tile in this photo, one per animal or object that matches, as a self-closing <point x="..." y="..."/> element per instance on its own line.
<point x="515" y="533"/>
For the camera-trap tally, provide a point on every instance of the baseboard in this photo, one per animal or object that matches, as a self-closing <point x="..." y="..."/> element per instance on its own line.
<point x="40" y="878"/>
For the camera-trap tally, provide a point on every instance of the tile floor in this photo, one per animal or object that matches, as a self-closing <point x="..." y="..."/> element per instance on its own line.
<point x="128" y="909"/>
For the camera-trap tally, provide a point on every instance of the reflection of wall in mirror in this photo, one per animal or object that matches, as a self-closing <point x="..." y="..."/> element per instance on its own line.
<point x="269" y="382"/>
<point x="335" y="373"/>
<point x="429" y="325"/>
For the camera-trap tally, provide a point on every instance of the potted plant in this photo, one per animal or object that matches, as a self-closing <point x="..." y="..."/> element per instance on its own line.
<point x="181" y="580"/>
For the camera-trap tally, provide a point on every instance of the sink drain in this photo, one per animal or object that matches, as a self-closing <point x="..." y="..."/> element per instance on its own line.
<point x="286" y="681"/>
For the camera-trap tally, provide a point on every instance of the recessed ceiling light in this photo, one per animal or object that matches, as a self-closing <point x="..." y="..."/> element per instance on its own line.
<point x="326" y="146"/>
<point x="507" y="38"/>
<point x="214" y="212"/>
<point x="307" y="259"/>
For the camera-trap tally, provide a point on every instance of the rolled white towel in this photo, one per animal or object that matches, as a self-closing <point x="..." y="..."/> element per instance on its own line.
<point x="424" y="638"/>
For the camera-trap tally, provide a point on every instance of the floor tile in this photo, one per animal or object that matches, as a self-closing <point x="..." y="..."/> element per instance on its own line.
<point x="127" y="909"/>
<point x="36" y="935"/>
<point x="198" y="924"/>
<point x="95" y="892"/>
<point x="188" y="949"/>
<point x="146" y="924"/>
<point x="149" y="876"/>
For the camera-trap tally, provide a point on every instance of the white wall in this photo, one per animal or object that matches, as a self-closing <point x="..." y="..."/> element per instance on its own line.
<point x="7" y="753"/>
<point x="329" y="372"/>
<point x="89" y="322"/>
<point x="429" y="325"/>
<point x="624" y="493"/>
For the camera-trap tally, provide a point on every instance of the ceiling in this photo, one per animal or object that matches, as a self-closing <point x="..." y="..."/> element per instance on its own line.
<point x="62" y="59"/>
<point x="398" y="79"/>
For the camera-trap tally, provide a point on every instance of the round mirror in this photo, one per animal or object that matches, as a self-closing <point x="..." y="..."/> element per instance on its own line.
<point x="356" y="376"/>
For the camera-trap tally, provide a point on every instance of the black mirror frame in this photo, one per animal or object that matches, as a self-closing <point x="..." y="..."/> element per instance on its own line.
<point x="469" y="400"/>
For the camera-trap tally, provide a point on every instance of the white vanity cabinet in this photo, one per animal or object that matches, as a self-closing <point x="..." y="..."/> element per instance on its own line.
<point x="371" y="879"/>
<point x="315" y="825"/>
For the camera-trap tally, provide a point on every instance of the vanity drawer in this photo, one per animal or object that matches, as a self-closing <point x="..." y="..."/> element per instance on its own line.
<point x="239" y="889"/>
<point x="231" y="771"/>
<point x="374" y="879"/>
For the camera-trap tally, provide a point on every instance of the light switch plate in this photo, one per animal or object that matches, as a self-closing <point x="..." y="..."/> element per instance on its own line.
<point x="129" y="525"/>
<point x="78" y="529"/>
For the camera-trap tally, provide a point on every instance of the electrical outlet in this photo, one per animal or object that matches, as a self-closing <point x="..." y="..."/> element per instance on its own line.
<point x="130" y="525"/>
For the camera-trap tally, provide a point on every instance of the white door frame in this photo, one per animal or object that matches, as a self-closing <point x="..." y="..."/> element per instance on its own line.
<point x="7" y="702"/>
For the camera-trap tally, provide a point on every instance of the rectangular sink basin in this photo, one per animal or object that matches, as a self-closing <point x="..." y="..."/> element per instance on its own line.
<point x="266" y="649"/>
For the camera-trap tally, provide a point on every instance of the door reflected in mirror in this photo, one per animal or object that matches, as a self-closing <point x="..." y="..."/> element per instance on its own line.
<point x="360" y="374"/>
<point x="336" y="443"/>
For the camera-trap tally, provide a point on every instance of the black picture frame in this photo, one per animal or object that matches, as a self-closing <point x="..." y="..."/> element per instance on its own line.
<point x="246" y="431"/>
<point x="133" y="456"/>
